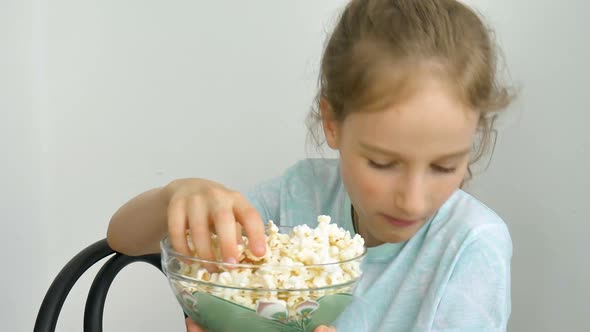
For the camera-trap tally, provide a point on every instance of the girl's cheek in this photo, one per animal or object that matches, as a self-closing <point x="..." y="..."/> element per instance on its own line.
<point x="369" y="183"/>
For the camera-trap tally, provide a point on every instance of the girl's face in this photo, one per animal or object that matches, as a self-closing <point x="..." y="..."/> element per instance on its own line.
<point x="400" y="164"/>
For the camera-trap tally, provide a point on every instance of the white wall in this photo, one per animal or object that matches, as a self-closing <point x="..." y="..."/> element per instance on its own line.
<point x="20" y="210"/>
<point x="539" y="179"/>
<point x="109" y="98"/>
<point x="127" y="96"/>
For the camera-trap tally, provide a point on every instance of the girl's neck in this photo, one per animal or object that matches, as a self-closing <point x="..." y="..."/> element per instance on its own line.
<point x="361" y="229"/>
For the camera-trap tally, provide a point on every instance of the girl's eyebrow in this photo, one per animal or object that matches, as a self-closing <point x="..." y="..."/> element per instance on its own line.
<point x="377" y="149"/>
<point x="454" y="155"/>
<point x="451" y="155"/>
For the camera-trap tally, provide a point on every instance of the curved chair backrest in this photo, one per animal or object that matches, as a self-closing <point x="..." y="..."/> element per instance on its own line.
<point x="72" y="271"/>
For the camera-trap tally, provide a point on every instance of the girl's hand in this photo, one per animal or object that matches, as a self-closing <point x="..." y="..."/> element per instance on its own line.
<point x="205" y="207"/>
<point x="324" y="328"/>
<point x="192" y="327"/>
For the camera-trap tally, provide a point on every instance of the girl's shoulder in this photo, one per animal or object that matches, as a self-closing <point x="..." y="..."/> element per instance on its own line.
<point x="316" y="175"/>
<point x="314" y="167"/>
<point x="308" y="188"/>
<point x="465" y="219"/>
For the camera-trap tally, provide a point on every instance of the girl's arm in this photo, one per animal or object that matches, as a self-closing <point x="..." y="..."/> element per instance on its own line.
<point x="139" y="225"/>
<point x="477" y="295"/>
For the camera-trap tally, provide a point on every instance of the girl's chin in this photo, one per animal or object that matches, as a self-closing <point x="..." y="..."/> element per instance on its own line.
<point x="381" y="236"/>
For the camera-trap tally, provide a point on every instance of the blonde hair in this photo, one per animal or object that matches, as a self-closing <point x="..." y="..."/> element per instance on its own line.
<point x="409" y="37"/>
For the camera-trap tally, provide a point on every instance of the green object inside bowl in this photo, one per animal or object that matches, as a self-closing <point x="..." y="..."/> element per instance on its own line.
<point x="219" y="315"/>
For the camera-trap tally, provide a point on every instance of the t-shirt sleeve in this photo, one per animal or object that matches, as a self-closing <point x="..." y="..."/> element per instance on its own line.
<point x="302" y="192"/>
<point x="265" y="198"/>
<point x="477" y="296"/>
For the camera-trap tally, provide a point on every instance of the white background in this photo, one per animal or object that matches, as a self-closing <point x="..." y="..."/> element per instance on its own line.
<point x="100" y="100"/>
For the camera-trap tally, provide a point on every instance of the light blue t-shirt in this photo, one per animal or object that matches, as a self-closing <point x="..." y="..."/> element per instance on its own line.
<point x="452" y="275"/>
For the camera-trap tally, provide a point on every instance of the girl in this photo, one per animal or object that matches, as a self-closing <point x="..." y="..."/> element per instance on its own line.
<point x="408" y="90"/>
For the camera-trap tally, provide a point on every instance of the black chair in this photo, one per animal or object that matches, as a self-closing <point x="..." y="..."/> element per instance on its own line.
<point x="72" y="271"/>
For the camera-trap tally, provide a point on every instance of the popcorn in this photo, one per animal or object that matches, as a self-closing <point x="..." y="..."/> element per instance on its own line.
<point x="284" y="272"/>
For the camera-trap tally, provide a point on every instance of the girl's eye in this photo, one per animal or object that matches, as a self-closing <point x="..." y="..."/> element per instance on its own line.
<point x="445" y="170"/>
<point x="377" y="165"/>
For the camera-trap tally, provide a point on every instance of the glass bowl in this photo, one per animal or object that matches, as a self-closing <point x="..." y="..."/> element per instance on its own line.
<point x="299" y="306"/>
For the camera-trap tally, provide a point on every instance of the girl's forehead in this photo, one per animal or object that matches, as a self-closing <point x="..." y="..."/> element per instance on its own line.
<point x="389" y="84"/>
<point x="432" y="119"/>
<point x="426" y="97"/>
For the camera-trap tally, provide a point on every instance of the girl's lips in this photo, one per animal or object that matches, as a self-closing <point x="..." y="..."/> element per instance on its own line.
<point x="398" y="222"/>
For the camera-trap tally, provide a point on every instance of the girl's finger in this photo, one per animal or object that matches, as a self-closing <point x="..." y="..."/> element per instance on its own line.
<point x="177" y="225"/>
<point x="251" y="221"/>
<point x="192" y="327"/>
<point x="239" y="234"/>
<point x="199" y="225"/>
<point x="225" y="226"/>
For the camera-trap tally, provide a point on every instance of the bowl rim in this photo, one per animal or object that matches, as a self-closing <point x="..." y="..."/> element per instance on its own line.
<point x="166" y="247"/>
<point x="202" y="283"/>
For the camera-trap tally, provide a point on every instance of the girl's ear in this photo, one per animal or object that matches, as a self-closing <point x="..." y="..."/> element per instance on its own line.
<point x="330" y="124"/>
